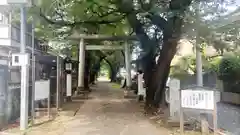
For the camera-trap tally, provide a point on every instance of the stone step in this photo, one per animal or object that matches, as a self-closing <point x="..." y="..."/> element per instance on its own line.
<point x="175" y="123"/>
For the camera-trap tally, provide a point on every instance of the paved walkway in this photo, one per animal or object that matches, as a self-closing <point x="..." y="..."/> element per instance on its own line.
<point x="106" y="112"/>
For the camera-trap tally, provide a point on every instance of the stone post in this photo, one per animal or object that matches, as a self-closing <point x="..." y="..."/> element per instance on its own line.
<point x="174" y="86"/>
<point x="81" y="65"/>
<point x="128" y="65"/>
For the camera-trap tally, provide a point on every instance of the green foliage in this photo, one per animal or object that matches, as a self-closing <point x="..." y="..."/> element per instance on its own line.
<point x="203" y="20"/>
<point x="178" y="72"/>
<point x="214" y="64"/>
<point x="229" y="72"/>
<point x="229" y="68"/>
<point x="59" y="17"/>
<point x="187" y="65"/>
<point x="116" y="60"/>
<point x="105" y="70"/>
<point x="74" y="50"/>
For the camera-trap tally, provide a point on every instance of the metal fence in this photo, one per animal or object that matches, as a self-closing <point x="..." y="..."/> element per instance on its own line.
<point x="10" y="82"/>
<point x="48" y="70"/>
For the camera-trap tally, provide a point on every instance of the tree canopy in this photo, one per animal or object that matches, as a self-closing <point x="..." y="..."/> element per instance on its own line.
<point x="158" y="25"/>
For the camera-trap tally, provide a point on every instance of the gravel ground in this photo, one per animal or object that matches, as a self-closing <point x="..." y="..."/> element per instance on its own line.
<point x="228" y="118"/>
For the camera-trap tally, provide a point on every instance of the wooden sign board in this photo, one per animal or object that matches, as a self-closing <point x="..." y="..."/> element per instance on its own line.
<point x="198" y="99"/>
<point x="42" y="89"/>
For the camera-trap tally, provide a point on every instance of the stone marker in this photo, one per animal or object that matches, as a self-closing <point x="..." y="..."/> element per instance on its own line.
<point x="141" y="90"/>
<point x="174" y="101"/>
<point x="204" y="125"/>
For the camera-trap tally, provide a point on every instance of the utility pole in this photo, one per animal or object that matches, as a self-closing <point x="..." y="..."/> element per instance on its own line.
<point x="33" y="73"/>
<point x="22" y="59"/>
<point x="24" y="73"/>
<point x="199" y="73"/>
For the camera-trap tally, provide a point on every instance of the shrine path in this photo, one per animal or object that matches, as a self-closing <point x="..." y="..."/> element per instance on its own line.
<point x="106" y="112"/>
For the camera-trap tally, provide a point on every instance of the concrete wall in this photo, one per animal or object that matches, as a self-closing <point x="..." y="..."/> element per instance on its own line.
<point x="232" y="98"/>
<point x="227" y="107"/>
<point x="209" y="80"/>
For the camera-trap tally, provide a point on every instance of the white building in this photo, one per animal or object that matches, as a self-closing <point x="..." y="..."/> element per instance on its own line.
<point x="10" y="43"/>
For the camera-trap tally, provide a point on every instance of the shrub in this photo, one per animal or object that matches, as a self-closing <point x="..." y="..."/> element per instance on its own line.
<point x="229" y="72"/>
<point x="229" y="68"/>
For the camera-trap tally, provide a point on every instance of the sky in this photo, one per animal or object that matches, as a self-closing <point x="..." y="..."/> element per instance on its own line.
<point x="3" y="2"/>
<point x="233" y="7"/>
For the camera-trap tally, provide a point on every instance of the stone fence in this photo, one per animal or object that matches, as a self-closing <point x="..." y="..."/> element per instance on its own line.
<point x="232" y="98"/>
<point x="210" y="80"/>
<point x="228" y="109"/>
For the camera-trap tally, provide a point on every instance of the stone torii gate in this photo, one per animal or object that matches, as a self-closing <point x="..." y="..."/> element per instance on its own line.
<point x="82" y="48"/>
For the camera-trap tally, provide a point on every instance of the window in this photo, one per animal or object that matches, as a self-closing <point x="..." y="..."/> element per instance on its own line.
<point x="1" y="16"/>
<point x="28" y="39"/>
<point x="3" y="19"/>
<point x="15" y="34"/>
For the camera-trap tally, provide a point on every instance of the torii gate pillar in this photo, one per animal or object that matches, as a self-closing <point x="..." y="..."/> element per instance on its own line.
<point x="81" y="65"/>
<point x="128" y="65"/>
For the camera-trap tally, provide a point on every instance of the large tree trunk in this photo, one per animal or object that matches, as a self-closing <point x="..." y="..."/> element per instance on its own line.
<point x="162" y="71"/>
<point x="148" y="69"/>
<point x="171" y="28"/>
<point x="92" y="77"/>
<point x="114" y="74"/>
<point x="160" y="95"/>
<point x="148" y="59"/>
<point x="171" y="35"/>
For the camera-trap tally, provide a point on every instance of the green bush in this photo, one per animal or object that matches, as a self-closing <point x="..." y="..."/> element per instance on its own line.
<point x="214" y="64"/>
<point x="229" y="68"/>
<point x="229" y="72"/>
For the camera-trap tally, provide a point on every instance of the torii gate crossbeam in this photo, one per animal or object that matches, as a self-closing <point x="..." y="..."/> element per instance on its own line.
<point x="104" y="47"/>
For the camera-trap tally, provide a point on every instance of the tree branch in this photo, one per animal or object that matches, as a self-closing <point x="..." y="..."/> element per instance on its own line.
<point x="109" y="63"/>
<point x="158" y="20"/>
<point x="214" y="56"/>
<point x="168" y="27"/>
<point x="180" y="5"/>
<point x="146" y="5"/>
<point x="93" y="22"/>
<point x="105" y="14"/>
<point x="123" y="55"/>
<point x="137" y="27"/>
